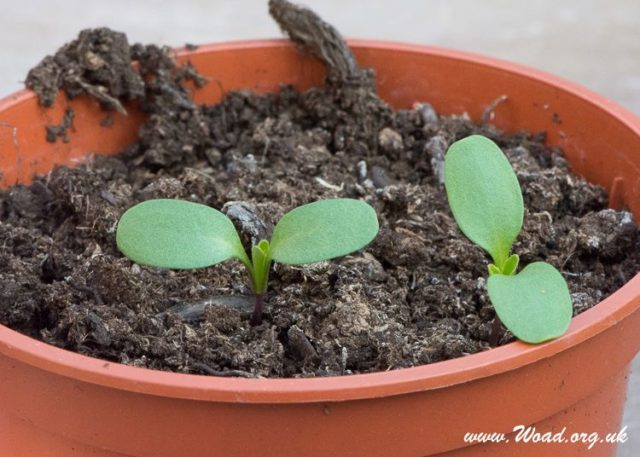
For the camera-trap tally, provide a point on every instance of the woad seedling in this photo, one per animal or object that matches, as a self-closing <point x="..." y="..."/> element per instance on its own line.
<point x="486" y="202"/>
<point x="178" y="234"/>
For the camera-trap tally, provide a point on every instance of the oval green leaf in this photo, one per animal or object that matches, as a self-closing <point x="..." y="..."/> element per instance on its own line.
<point x="177" y="234"/>
<point x="535" y="305"/>
<point x="323" y="230"/>
<point x="484" y="195"/>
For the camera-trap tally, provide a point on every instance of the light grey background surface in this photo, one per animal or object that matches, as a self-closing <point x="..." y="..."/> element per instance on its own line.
<point x="593" y="42"/>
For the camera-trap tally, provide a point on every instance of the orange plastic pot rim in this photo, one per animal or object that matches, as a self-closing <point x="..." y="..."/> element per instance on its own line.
<point x="603" y="316"/>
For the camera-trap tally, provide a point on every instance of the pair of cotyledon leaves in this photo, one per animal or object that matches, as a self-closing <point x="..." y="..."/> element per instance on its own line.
<point x="181" y="235"/>
<point x="486" y="201"/>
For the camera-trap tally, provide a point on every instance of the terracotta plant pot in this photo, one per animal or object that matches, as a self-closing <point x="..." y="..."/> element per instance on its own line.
<point x="58" y="403"/>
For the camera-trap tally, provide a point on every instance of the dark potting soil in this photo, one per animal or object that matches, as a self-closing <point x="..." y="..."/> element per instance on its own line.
<point x="416" y="295"/>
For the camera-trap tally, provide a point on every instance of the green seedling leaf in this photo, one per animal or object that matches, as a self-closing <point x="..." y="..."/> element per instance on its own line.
<point x="534" y="304"/>
<point x="264" y="247"/>
<point x="484" y="195"/>
<point x="323" y="230"/>
<point x="178" y="234"/>
<point x="493" y="270"/>
<point x="511" y="265"/>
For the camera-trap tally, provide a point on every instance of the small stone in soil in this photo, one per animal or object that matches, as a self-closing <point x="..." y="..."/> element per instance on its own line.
<point x="246" y="217"/>
<point x="300" y="345"/>
<point x="427" y="114"/>
<point x="436" y="148"/>
<point x="390" y="140"/>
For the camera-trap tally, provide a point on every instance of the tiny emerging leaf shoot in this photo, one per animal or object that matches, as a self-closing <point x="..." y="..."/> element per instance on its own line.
<point x="323" y="230"/>
<point x="511" y="265"/>
<point x="484" y="195"/>
<point x="534" y="304"/>
<point x="261" y="264"/>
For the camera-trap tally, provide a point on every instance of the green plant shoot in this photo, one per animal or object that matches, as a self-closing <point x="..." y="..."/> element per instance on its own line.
<point x="178" y="234"/>
<point x="486" y="202"/>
